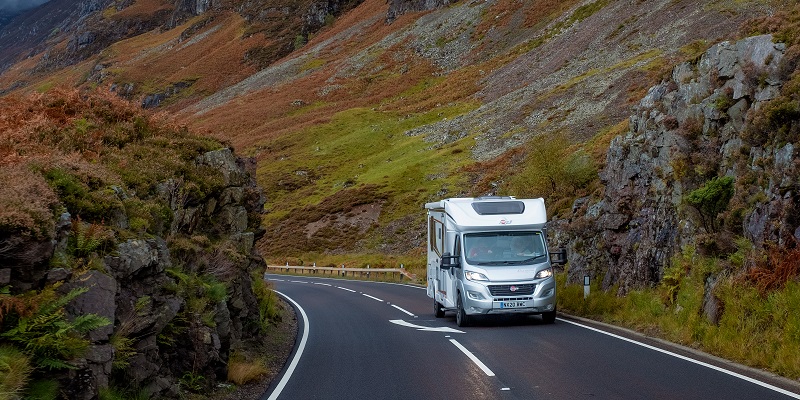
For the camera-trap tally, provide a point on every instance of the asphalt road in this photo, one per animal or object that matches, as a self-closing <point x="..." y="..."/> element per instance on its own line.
<point x="368" y="340"/>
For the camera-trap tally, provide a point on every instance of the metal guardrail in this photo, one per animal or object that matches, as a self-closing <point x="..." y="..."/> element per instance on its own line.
<point x="334" y="271"/>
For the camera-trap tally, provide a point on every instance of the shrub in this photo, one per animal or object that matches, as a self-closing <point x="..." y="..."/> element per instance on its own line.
<point x="711" y="199"/>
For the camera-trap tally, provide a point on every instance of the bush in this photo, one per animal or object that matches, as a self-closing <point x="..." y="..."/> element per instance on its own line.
<point x="711" y="199"/>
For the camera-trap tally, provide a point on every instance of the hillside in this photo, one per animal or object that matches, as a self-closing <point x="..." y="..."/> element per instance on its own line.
<point x="661" y="133"/>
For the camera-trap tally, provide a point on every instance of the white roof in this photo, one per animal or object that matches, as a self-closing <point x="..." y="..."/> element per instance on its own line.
<point x="493" y="213"/>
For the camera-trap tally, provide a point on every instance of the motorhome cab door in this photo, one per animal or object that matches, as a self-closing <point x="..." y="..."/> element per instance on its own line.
<point x="442" y="281"/>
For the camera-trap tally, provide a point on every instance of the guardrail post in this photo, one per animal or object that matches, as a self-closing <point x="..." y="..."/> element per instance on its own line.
<point x="315" y="267"/>
<point x="367" y="271"/>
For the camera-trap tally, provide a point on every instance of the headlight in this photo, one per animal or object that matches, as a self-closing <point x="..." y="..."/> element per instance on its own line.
<point x="545" y="273"/>
<point x="475" y="276"/>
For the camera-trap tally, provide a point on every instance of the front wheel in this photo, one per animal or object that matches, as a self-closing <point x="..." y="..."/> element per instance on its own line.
<point x="549" y="317"/>
<point x="438" y="312"/>
<point x="462" y="319"/>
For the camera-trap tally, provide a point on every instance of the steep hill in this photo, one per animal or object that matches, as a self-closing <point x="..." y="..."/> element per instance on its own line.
<point x="360" y="112"/>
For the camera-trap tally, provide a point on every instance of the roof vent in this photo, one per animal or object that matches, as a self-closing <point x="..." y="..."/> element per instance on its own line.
<point x="498" y="207"/>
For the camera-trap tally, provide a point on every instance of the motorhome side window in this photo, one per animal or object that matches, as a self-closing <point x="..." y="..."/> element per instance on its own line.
<point x="436" y="235"/>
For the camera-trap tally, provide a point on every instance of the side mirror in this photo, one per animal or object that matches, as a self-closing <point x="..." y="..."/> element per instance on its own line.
<point x="449" y="261"/>
<point x="558" y="257"/>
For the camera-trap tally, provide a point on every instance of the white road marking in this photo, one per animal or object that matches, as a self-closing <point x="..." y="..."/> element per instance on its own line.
<point x="505" y="389"/>
<point x="691" y="360"/>
<point x="424" y="328"/>
<point x="371" y="297"/>
<point x="298" y="282"/>
<point x="322" y="284"/>
<point x="300" y="348"/>
<point x="395" y="306"/>
<point x="277" y="280"/>
<point x="472" y="357"/>
<point x="349" y="290"/>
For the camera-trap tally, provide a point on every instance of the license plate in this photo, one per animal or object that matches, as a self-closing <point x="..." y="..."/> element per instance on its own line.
<point x="512" y="304"/>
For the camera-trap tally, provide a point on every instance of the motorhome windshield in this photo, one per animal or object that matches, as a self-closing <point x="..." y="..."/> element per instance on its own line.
<point x="504" y="248"/>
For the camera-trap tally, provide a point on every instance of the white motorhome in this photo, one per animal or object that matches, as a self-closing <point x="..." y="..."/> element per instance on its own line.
<point x="489" y="255"/>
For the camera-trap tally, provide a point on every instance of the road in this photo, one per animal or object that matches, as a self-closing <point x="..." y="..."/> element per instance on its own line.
<point x="369" y="340"/>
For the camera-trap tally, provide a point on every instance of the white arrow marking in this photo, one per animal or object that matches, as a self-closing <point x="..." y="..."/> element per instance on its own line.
<point x="424" y="328"/>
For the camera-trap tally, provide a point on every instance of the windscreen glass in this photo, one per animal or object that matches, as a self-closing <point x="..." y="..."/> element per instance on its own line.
<point x="504" y="248"/>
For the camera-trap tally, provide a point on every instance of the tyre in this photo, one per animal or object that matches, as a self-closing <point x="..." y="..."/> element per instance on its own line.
<point x="438" y="312"/>
<point x="549" y="317"/>
<point x="462" y="319"/>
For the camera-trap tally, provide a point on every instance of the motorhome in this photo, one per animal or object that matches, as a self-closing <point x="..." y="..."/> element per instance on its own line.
<point x="489" y="255"/>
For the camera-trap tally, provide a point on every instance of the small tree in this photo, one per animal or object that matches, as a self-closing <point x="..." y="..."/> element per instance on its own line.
<point x="710" y="200"/>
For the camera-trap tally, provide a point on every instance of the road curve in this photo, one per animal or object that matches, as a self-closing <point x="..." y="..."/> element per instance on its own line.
<point x="369" y="340"/>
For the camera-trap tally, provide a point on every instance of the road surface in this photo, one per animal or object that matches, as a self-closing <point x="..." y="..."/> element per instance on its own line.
<point x="370" y="340"/>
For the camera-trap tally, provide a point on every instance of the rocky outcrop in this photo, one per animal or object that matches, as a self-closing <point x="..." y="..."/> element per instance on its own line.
<point x="400" y="7"/>
<point x="165" y="325"/>
<point x="689" y="129"/>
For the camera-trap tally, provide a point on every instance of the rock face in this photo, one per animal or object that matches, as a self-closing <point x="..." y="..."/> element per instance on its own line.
<point x="165" y="325"/>
<point x="400" y="7"/>
<point x="687" y="130"/>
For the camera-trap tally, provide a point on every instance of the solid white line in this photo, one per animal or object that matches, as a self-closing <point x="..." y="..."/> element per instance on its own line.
<point x="472" y="357"/>
<point x="692" y="360"/>
<point x="373" y="298"/>
<point x="395" y="306"/>
<point x="343" y="288"/>
<point x="300" y="348"/>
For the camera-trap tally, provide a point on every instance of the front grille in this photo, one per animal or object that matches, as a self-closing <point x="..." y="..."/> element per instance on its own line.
<point x="505" y="290"/>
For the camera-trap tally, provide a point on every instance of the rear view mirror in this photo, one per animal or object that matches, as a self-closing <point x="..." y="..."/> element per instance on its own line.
<point x="449" y="261"/>
<point x="558" y="257"/>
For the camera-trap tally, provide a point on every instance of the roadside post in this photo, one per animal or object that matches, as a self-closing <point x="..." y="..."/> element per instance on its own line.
<point x="585" y="286"/>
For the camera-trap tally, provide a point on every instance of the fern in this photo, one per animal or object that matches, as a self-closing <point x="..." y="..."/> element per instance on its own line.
<point x="47" y="335"/>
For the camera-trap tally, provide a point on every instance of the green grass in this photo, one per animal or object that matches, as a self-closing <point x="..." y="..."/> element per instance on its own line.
<point x="753" y="329"/>
<point x="361" y="147"/>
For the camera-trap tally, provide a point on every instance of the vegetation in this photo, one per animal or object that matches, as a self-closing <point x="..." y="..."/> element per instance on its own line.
<point x="712" y="199"/>
<point x="756" y="322"/>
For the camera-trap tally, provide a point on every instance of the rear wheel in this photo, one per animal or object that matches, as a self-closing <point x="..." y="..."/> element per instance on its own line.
<point x="462" y="319"/>
<point x="438" y="312"/>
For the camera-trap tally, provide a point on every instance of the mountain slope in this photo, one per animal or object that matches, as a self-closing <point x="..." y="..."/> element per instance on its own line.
<point x="433" y="104"/>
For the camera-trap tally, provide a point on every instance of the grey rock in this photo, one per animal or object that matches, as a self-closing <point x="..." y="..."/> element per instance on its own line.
<point x="99" y="300"/>
<point x="225" y="162"/>
<point x="5" y="276"/>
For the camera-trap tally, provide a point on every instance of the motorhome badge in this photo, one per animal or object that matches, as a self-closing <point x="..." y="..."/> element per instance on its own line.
<point x="513" y="288"/>
<point x="505" y="221"/>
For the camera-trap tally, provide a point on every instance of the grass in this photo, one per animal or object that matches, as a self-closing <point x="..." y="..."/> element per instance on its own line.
<point x="759" y="330"/>
<point x="361" y="151"/>
<point x="15" y="371"/>
<point x="244" y="371"/>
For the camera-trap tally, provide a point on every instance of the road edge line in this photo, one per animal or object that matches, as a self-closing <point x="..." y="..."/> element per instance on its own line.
<point x="689" y="359"/>
<point x="287" y="374"/>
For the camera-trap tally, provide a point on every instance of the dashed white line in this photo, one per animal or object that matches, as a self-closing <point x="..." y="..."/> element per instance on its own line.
<point x="298" y="282"/>
<point x="343" y="288"/>
<point x="321" y="284"/>
<point x="472" y="357"/>
<point x="300" y="348"/>
<point x="395" y="306"/>
<point x="371" y="297"/>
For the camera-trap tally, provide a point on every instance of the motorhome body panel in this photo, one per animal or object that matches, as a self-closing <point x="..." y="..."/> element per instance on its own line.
<point x="502" y="281"/>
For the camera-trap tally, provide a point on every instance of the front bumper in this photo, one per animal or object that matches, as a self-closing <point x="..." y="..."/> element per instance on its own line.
<point x="478" y="299"/>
